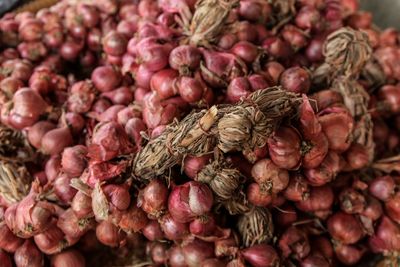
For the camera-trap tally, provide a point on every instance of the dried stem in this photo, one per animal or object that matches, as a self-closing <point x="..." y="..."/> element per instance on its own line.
<point x="14" y="182"/>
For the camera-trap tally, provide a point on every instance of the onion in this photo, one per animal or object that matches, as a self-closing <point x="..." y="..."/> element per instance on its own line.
<point x="348" y="254"/>
<point x="294" y="36"/>
<point x="93" y="39"/>
<point x="255" y="10"/>
<point x="351" y="201"/>
<point x="122" y="95"/>
<point x="190" y="89"/>
<point x="197" y="251"/>
<point x="105" y="78"/>
<point x="133" y="220"/>
<point x="62" y="188"/>
<point x="277" y="47"/>
<point x="373" y="210"/>
<point x="239" y="88"/>
<point x="344" y="228"/>
<point x="320" y="199"/>
<point x="51" y="241"/>
<point x="392" y="207"/>
<point x="294" y="243"/>
<point x="37" y="131"/>
<point x="213" y="263"/>
<point x="28" y="255"/>
<point x="261" y="255"/>
<point x="153" y="198"/>
<point x="203" y="226"/>
<point x="5" y="259"/>
<point x="270" y="176"/>
<point x="382" y="187"/>
<point x="75" y="122"/>
<point x="297" y="189"/>
<point x="72" y="226"/>
<point x="70" y="257"/>
<point x="82" y="205"/>
<point x="173" y="230"/>
<point x="10" y="85"/>
<point x="247" y="51"/>
<point x="389" y="94"/>
<point x="8" y="242"/>
<point x="154" y="56"/>
<point x="158" y="252"/>
<point x="185" y="59"/>
<point x="114" y="43"/>
<point x="54" y="141"/>
<point x="257" y="196"/>
<point x="152" y="231"/>
<point x="53" y="167"/>
<point x="109" y="235"/>
<point x="176" y="257"/>
<point x="74" y="160"/>
<point x="162" y="82"/>
<point x="308" y="18"/>
<point x="117" y="195"/>
<point x="81" y="97"/>
<point x="284" y="148"/>
<point x="189" y="200"/>
<point x="326" y="171"/>
<point x="295" y="79"/>
<point x="315" y="261"/>
<point x="386" y="237"/>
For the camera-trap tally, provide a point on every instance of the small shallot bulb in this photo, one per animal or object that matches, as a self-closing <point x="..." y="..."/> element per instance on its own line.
<point x="82" y="205"/>
<point x="117" y="195"/>
<point x="261" y="255"/>
<point x="133" y="220"/>
<point x="284" y="148"/>
<point x="190" y="200"/>
<point x="28" y="255"/>
<point x="386" y="237"/>
<point x="296" y="79"/>
<point x="197" y="251"/>
<point x="345" y="228"/>
<point x="114" y="43"/>
<point x="153" y="231"/>
<point x="105" y="78"/>
<point x="185" y="58"/>
<point x="68" y="258"/>
<point x="382" y="187"/>
<point x="173" y="230"/>
<point x="5" y="259"/>
<point x="37" y="131"/>
<point x="108" y="234"/>
<point x="203" y="226"/>
<point x="54" y="141"/>
<point x="63" y="189"/>
<point x="270" y="176"/>
<point x="153" y="199"/>
<point x="73" y="160"/>
<point x="257" y="196"/>
<point x="294" y="242"/>
<point x="192" y="165"/>
<point x="9" y="242"/>
<point x="349" y="254"/>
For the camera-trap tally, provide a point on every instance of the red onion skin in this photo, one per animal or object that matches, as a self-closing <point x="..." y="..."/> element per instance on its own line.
<point x="360" y="20"/>
<point x="162" y="82"/>
<point x="314" y="49"/>
<point x="109" y="235"/>
<point x="286" y="216"/>
<point x="352" y="201"/>
<point x="392" y="207"/>
<point x="294" y="242"/>
<point x="344" y="228"/>
<point x="129" y="112"/>
<point x="53" y="167"/>
<point x="105" y="78"/>
<point x="295" y="79"/>
<point x="62" y="189"/>
<point x="89" y="242"/>
<point x="197" y="251"/>
<point x="93" y="39"/>
<point x="267" y="174"/>
<point x="189" y="200"/>
<point x="258" y="82"/>
<point x="73" y="227"/>
<point x="10" y="85"/>
<point x="321" y="198"/>
<point x="110" y="114"/>
<point x="153" y="199"/>
<point x="75" y="122"/>
<point x="357" y="157"/>
<point x="158" y="252"/>
<point x="298" y="188"/>
<point x="294" y="36"/>
<point x="117" y="195"/>
<point x="382" y="187"/>
<point x="32" y="51"/>
<point x="8" y="242"/>
<point x="238" y="89"/>
<point x="153" y="231"/>
<point x="389" y="94"/>
<point x="277" y="47"/>
<point x="226" y="41"/>
<point x="272" y="72"/>
<point x="122" y="95"/>
<point x="190" y="89"/>
<point x="28" y="255"/>
<point x="82" y="205"/>
<point x="154" y="56"/>
<point x="185" y="59"/>
<point x="307" y="18"/>
<point x="325" y="172"/>
<point x="373" y="210"/>
<point x="173" y="230"/>
<point x="133" y="128"/>
<point x="37" y="131"/>
<point x="256" y="195"/>
<point x="5" y="259"/>
<point x="54" y="141"/>
<point x="68" y="258"/>
<point x="386" y="237"/>
<point x="348" y="254"/>
<point x="74" y="160"/>
<point x="176" y="257"/>
<point x="284" y="148"/>
<point x="315" y="261"/>
<point x="261" y="255"/>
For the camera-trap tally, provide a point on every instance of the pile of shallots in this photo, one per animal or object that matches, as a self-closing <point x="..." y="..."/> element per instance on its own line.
<point x="85" y="85"/>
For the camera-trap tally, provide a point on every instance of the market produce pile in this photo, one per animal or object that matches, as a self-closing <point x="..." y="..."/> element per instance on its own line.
<point x="199" y="133"/>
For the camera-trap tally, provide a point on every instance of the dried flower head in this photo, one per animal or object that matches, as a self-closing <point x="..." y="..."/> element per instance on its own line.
<point x="347" y="51"/>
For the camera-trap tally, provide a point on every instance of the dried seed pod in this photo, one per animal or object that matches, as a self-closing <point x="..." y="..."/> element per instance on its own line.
<point x="255" y="227"/>
<point x="347" y="51"/>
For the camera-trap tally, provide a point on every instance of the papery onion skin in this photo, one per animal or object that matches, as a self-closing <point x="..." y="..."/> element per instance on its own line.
<point x="37" y="131"/>
<point x="294" y="242"/>
<point x="382" y="187"/>
<point x="197" y="251"/>
<point x="261" y="255"/>
<point x="267" y="174"/>
<point x="152" y="231"/>
<point x="153" y="199"/>
<point x="386" y="237"/>
<point x="109" y="235"/>
<point x="9" y="242"/>
<point x="73" y="160"/>
<point x="172" y="229"/>
<point x="28" y="255"/>
<point x="348" y="254"/>
<point x="5" y="259"/>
